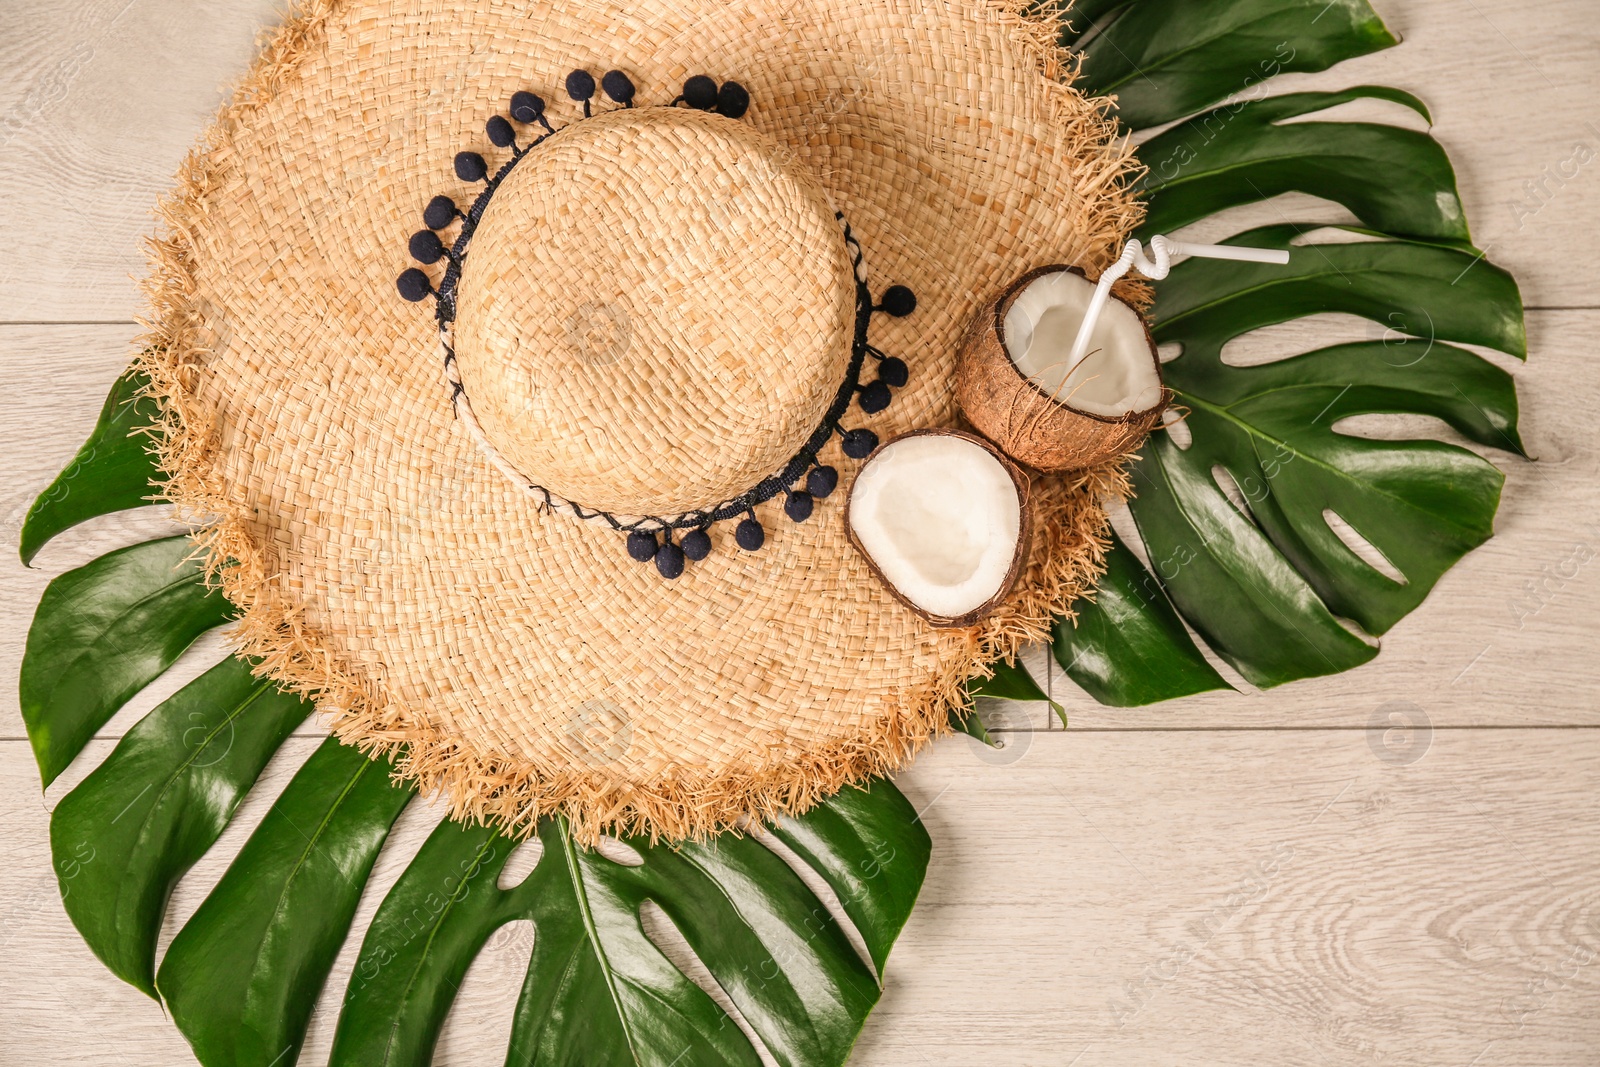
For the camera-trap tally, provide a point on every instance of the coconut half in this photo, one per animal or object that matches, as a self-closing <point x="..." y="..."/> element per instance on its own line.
<point x="1018" y="387"/>
<point x="944" y="521"/>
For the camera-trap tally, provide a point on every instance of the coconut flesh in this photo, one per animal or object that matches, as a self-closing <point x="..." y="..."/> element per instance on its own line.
<point x="1115" y="377"/>
<point x="1019" y="385"/>
<point x="942" y="519"/>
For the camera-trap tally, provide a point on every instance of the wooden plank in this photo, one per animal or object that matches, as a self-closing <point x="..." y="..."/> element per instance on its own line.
<point x="102" y="97"/>
<point x="1283" y="898"/>
<point x="1257" y="898"/>
<point x="99" y="102"/>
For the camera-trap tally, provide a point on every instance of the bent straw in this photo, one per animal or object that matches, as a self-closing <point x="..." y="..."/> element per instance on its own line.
<point x="1133" y="257"/>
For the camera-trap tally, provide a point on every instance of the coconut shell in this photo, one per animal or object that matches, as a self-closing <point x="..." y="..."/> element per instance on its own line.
<point x="1019" y="561"/>
<point x="1024" y="421"/>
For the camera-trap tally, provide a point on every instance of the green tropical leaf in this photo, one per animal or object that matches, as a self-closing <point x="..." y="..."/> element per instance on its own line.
<point x="243" y="974"/>
<point x="1242" y="153"/>
<point x="102" y="633"/>
<point x="1239" y="593"/>
<point x="427" y="932"/>
<point x="1329" y="526"/>
<point x="1083" y="14"/>
<point x="966" y="721"/>
<point x="1164" y="59"/>
<point x="1421" y="504"/>
<point x="1011" y="681"/>
<point x="113" y="471"/>
<point x="1127" y="646"/>
<point x="1266" y="587"/>
<point x="871" y="848"/>
<point x="598" y="989"/>
<point x="1411" y="288"/>
<point x="126" y="834"/>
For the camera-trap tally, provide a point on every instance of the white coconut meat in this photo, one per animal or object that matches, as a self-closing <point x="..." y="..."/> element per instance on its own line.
<point x="940" y="518"/>
<point x="1116" y="376"/>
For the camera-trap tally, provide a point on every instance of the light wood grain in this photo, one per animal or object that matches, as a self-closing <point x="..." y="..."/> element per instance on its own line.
<point x="99" y="101"/>
<point x="1254" y="898"/>
<point x="1273" y="897"/>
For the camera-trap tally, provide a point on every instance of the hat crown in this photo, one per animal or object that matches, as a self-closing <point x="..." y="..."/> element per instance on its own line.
<point x="656" y="312"/>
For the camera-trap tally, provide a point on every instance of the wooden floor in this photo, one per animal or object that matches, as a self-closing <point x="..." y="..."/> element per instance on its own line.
<point x="1265" y="878"/>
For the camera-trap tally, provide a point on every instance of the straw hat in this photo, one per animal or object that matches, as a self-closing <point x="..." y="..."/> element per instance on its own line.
<point x="559" y="534"/>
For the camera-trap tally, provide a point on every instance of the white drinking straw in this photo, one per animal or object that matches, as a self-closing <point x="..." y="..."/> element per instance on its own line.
<point x="1133" y="257"/>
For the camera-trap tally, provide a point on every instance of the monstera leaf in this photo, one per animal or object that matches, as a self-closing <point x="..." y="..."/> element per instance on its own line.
<point x="599" y="990"/>
<point x="1287" y="544"/>
<point x="1010" y="681"/>
<point x="1128" y="646"/>
<point x="1164" y="59"/>
<point x="102" y="633"/>
<point x="243" y="974"/>
<point x="1249" y="151"/>
<point x="173" y="782"/>
<point x="111" y="472"/>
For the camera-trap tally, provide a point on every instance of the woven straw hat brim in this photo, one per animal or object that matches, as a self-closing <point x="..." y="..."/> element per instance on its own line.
<point x="517" y="660"/>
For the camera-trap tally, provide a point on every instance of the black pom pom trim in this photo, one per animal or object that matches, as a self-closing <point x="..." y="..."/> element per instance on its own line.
<point x="858" y="444"/>
<point x="618" y="86"/>
<point x="439" y="213"/>
<point x="642" y="546"/>
<point x="527" y="107"/>
<point x="700" y="92"/>
<point x="426" y="247"/>
<point x="669" y="561"/>
<point x="733" y="100"/>
<point x="580" y="86"/>
<point x="822" y="481"/>
<point x="697" y="545"/>
<point x="413" y="285"/>
<point x="799" y="506"/>
<point x="892" y="371"/>
<point x="874" y="397"/>
<point x="499" y="131"/>
<point x="898" y="301"/>
<point x="470" y="167"/>
<point x="750" y="535"/>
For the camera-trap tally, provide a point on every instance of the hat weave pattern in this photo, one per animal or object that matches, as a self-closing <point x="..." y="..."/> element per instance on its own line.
<point x="510" y="656"/>
<point x="855" y="443"/>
